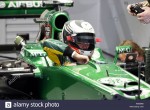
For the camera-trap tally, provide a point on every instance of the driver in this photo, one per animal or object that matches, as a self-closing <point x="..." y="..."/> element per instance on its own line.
<point x="78" y="44"/>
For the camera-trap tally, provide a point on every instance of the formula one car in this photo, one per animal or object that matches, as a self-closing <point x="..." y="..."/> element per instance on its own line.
<point x="34" y="76"/>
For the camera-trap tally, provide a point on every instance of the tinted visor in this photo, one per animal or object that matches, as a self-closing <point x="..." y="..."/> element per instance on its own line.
<point x="85" y="38"/>
<point x="85" y="41"/>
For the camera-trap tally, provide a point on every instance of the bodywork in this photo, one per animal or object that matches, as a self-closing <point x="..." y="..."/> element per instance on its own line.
<point x="98" y="80"/>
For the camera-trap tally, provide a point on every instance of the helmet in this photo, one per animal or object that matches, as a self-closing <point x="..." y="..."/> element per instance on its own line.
<point x="80" y="36"/>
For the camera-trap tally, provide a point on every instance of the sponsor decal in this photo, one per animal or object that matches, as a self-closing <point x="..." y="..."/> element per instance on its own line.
<point x="2" y="4"/>
<point x="123" y="49"/>
<point x="20" y="4"/>
<point x="37" y="54"/>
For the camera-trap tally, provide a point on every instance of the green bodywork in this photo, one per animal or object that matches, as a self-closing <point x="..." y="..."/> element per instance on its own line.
<point x="97" y="80"/>
<point x="57" y="20"/>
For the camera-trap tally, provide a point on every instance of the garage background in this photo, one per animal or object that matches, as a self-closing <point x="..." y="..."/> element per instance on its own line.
<point x="109" y="18"/>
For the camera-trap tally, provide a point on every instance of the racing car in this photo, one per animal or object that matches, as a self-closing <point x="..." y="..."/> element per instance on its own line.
<point x="34" y="76"/>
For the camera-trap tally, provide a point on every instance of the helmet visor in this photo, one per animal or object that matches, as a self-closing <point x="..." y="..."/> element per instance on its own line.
<point x="85" y="41"/>
<point x="85" y="38"/>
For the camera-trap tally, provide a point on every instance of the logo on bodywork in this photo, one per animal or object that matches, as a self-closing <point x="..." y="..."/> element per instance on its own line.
<point x="25" y="4"/>
<point x="123" y="49"/>
<point x="37" y="54"/>
<point x="2" y="4"/>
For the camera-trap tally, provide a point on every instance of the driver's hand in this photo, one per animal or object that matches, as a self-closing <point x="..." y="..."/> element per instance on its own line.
<point x="81" y="59"/>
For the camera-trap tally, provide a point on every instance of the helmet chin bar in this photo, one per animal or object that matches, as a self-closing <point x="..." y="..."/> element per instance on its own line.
<point x="87" y="53"/>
